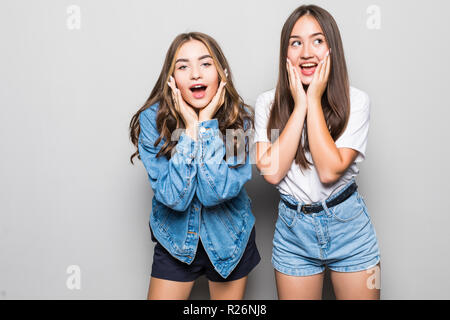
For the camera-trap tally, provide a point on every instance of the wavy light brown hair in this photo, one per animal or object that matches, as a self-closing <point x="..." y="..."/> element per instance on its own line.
<point x="335" y="99"/>
<point x="231" y="115"/>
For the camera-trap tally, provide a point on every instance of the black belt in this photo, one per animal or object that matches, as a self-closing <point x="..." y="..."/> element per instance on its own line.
<point x="308" y="208"/>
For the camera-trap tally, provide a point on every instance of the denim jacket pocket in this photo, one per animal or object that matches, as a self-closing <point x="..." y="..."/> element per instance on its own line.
<point x="228" y="223"/>
<point x="349" y="209"/>
<point x="236" y="217"/>
<point x="160" y="214"/>
<point x="287" y="215"/>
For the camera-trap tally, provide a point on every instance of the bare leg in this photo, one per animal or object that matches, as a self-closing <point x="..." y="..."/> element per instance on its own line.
<point x="160" y="289"/>
<point x="361" y="285"/>
<point x="299" y="288"/>
<point x="231" y="290"/>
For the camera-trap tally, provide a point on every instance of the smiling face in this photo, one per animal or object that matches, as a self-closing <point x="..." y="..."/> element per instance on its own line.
<point x="307" y="47"/>
<point x="195" y="74"/>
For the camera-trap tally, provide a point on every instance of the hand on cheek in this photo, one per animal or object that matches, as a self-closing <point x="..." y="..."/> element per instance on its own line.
<point x="296" y="85"/>
<point x="208" y="112"/>
<point x="320" y="79"/>
<point x="187" y="113"/>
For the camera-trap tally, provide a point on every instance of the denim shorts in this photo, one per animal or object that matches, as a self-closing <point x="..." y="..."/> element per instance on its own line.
<point x="165" y="266"/>
<point x="341" y="237"/>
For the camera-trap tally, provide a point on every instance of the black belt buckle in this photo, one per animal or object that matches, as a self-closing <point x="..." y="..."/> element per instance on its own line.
<point x="305" y="207"/>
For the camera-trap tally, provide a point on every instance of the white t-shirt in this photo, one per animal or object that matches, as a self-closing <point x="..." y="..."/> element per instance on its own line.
<point x="306" y="186"/>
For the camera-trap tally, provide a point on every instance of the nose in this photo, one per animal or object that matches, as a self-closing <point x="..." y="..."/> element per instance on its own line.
<point x="306" y="52"/>
<point x="195" y="73"/>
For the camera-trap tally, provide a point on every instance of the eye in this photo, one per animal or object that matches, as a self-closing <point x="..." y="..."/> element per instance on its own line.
<point x="206" y="64"/>
<point x="182" y="67"/>
<point x="318" y="41"/>
<point x="295" y="43"/>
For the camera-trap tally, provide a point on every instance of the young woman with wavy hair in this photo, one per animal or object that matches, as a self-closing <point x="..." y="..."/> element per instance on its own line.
<point x="201" y="217"/>
<point x="323" y="124"/>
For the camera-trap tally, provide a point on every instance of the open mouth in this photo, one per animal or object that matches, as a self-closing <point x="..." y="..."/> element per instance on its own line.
<point x="308" y="68"/>
<point x="198" y="90"/>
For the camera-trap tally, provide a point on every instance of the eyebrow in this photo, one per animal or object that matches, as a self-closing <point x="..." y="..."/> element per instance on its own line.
<point x="187" y="60"/>
<point x="311" y="36"/>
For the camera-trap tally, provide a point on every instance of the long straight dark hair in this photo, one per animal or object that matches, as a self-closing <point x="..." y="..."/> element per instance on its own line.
<point x="336" y="98"/>
<point x="231" y="115"/>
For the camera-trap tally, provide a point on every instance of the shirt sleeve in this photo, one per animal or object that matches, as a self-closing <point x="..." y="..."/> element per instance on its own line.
<point x="262" y="113"/>
<point x="356" y="133"/>
<point x="173" y="181"/>
<point x="217" y="178"/>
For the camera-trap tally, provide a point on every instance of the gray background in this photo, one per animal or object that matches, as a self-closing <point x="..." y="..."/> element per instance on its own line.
<point x="69" y="196"/>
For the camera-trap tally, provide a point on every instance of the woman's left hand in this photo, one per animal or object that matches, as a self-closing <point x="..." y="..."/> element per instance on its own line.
<point x="210" y="110"/>
<point x="320" y="79"/>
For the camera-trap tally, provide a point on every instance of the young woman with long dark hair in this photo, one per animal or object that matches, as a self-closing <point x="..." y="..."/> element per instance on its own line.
<point x="323" y="124"/>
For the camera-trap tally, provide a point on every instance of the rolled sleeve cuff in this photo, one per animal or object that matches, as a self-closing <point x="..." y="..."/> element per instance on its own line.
<point x="208" y="129"/>
<point x="187" y="147"/>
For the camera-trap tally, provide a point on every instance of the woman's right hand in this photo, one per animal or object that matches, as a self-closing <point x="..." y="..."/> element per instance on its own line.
<point x="296" y="86"/>
<point x="187" y="113"/>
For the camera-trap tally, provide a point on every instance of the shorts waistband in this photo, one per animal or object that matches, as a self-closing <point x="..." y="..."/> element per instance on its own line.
<point x="314" y="208"/>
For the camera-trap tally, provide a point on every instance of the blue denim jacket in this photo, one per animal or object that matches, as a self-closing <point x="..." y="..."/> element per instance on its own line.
<point x="197" y="195"/>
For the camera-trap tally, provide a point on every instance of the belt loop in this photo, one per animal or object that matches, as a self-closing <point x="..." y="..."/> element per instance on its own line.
<point x="299" y="210"/>
<point x="325" y="207"/>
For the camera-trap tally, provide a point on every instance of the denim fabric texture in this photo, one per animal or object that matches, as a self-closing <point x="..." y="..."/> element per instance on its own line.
<point x="341" y="237"/>
<point x="197" y="195"/>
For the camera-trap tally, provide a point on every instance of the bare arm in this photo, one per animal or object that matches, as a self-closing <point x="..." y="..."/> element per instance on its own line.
<point x="274" y="160"/>
<point x="331" y="162"/>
